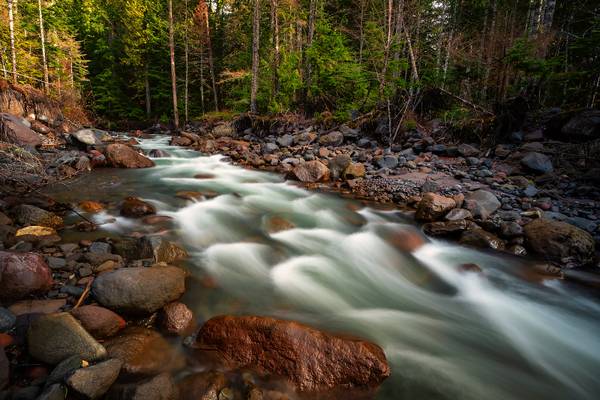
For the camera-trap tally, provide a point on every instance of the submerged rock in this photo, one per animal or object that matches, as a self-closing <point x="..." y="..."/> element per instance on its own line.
<point x="139" y="290"/>
<point x="123" y="156"/>
<point x="55" y="337"/>
<point x="23" y="274"/>
<point x="312" y="360"/>
<point x="559" y="241"/>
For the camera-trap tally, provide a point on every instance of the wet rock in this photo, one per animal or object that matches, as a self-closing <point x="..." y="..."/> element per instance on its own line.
<point x="93" y="382"/>
<point x="559" y="241"/>
<point x="23" y="274"/>
<point x="446" y="228"/>
<point x="433" y="207"/>
<point x="176" y="319"/>
<point x="133" y="207"/>
<point x="160" y="387"/>
<point x="457" y="214"/>
<point x="122" y="156"/>
<point x="202" y="386"/>
<point x="7" y="320"/>
<point x="91" y="206"/>
<point x="87" y="137"/>
<point x="311" y="171"/>
<point x="56" y="263"/>
<point x="312" y="360"/>
<point x="354" y="170"/>
<point x="537" y="162"/>
<point x="37" y="306"/>
<point x="99" y="248"/>
<point x="55" y="337"/>
<point x="161" y="249"/>
<point x="482" y="239"/>
<point x="469" y="268"/>
<point x="158" y="153"/>
<point x="54" y="392"/>
<point x="181" y="141"/>
<point x="278" y="224"/>
<point x="37" y="234"/>
<point x="26" y="214"/>
<point x="466" y="150"/>
<point x="144" y="353"/>
<point x="15" y="131"/>
<point x="65" y="368"/>
<point x="334" y="138"/>
<point x="482" y="203"/>
<point x="510" y="229"/>
<point x="98" y="321"/>
<point x="139" y="290"/>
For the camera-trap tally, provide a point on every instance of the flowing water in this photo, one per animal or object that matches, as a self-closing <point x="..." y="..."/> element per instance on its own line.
<point x="447" y="333"/>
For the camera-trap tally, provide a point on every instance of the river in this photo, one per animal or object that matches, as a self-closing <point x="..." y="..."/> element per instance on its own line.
<point x="447" y="333"/>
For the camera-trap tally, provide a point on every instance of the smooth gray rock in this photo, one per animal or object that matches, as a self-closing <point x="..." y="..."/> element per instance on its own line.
<point x="87" y="136"/>
<point x="482" y="203"/>
<point x="285" y="140"/>
<point x="99" y="248"/>
<point x="537" y="162"/>
<point x="55" y="337"/>
<point x="387" y="162"/>
<point x="93" y="382"/>
<point x="458" y="214"/>
<point x="64" y="369"/>
<point x="139" y="290"/>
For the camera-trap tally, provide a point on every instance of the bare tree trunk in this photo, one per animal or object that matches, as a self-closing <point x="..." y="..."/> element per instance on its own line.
<point x="398" y="32"/>
<point x="203" y="22"/>
<point x="202" y="79"/>
<point x="147" y="87"/>
<point x="255" y="56"/>
<point x="43" y="41"/>
<point x="389" y="11"/>
<point x="362" y="30"/>
<point x="187" y="66"/>
<point x="549" y="14"/>
<point x="173" y="70"/>
<point x="490" y="50"/>
<point x="312" y="20"/>
<point x="534" y="22"/>
<point x="11" y="28"/>
<point x="276" y="47"/>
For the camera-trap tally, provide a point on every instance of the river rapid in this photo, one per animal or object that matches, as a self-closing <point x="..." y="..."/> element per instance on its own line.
<point x="502" y="333"/>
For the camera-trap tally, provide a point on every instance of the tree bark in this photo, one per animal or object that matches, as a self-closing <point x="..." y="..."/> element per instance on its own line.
<point x="11" y="28"/>
<point x="43" y="42"/>
<point x="173" y="70"/>
<point x="187" y="66"/>
<point x="255" y="56"/>
<point x="312" y="20"/>
<point x="389" y="12"/>
<point x="276" y="47"/>
<point x="362" y="31"/>
<point x="549" y="14"/>
<point x="147" y="87"/>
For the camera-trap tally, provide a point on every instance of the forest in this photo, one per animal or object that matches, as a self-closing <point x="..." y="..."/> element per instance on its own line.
<point x="341" y="58"/>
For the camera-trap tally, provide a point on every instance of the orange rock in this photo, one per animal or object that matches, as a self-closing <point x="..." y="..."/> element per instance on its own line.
<point x="91" y="206"/>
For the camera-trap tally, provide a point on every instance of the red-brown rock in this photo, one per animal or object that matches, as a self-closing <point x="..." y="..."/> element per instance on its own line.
<point x="202" y="386"/>
<point x="312" y="171"/>
<point x="176" y="318"/>
<point x="133" y="207"/>
<point x="122" y="156"/>
<point x="98" y="321"/>
<point x="22" y="274"/>
<point x="434" y="206"/>
<point x="311" y="360"/>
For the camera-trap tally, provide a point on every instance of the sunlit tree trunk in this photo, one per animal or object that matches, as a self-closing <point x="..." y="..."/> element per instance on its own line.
<point x="43" y="42"/>
<point x="173" y="70"/>
<point x="255" y="56"/>
<point x="11" y="29"/>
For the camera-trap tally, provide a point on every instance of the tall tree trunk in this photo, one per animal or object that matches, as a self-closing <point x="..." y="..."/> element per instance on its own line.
<point x="202" y="20"/>
<point x="312" y="20"/>
<point x="398" y="32"/>
<point x="534" y="21"/>
<point x="147" y="87"/>
<point x="11" y="29"/>
<point x="187" y="65"/>
<point x="203" y="108"/>
<point x="173" y="70"/>
<point x="490" y="49"/>
<point x="389" y="16"/>
<point x="362" y="31"/>
<point x="276" y="47"/>
<point x="43" y="41"/>
<point x="255" y="56"/>
<point x="549" y="14"/>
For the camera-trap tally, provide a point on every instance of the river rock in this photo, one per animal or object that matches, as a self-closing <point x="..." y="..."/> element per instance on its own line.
<point x="181" y="141"/>
<point x="7" y="320"/>
<point x="457" y="214"/>
<point x="158" y="153"/>
<point x="23" y="274"/>
<point x="389" y="161"/>
<point x="55" y="337"/>
<point x="133" y="207"/>
<point x="98" y="321"/>
<point x="311" y="171"/>
<point x="139" y="290"/>
<point x="91" y="206"/>
<point x="466" y="150"/>
<point x="54" y="392"/>
<point x="433" y="207"/>
<point x="144" y="353"/>
<point x="161" y="249"/>
<point x="26" y="214"/>
<point x="338" y="165"/>
<point x="93" y="382"/>
<point x="481" y="238"/>
<point x="537" y="162"/>
<point x="559" y="241"/>
<point x="446" y="228"/>
<point x="65" y="368"/>
<point x="45" y="306"/>
<point x="13" y="130"/>
<point x="176" y="318"/>
<point x="482" y="203"/>
<point x="160" y="387"/>
<point x="123" y="156"/>
<point x="285" y="140"/>
<point x="311" y="360"/>
<point x="4" y="370"/>
<point x="334" y="138"/>
<point x="87" y="136"/>
<point x="582" y="127"/>
<point x="354" y="170"/>
<point x="202" y="385"/>
<point x="224" y="129"/>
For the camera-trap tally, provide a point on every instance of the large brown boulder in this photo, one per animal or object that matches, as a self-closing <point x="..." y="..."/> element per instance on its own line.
<point x="13" y="130"/>
<point x="560" y="242"/>
<point x="122" y="156"/>
<point x="434" y="206"/>
<point x="311" y="360"/>
<point x="98" y="321"/>
<point x="312" y="171"/>
<point x="23" y="274"/>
